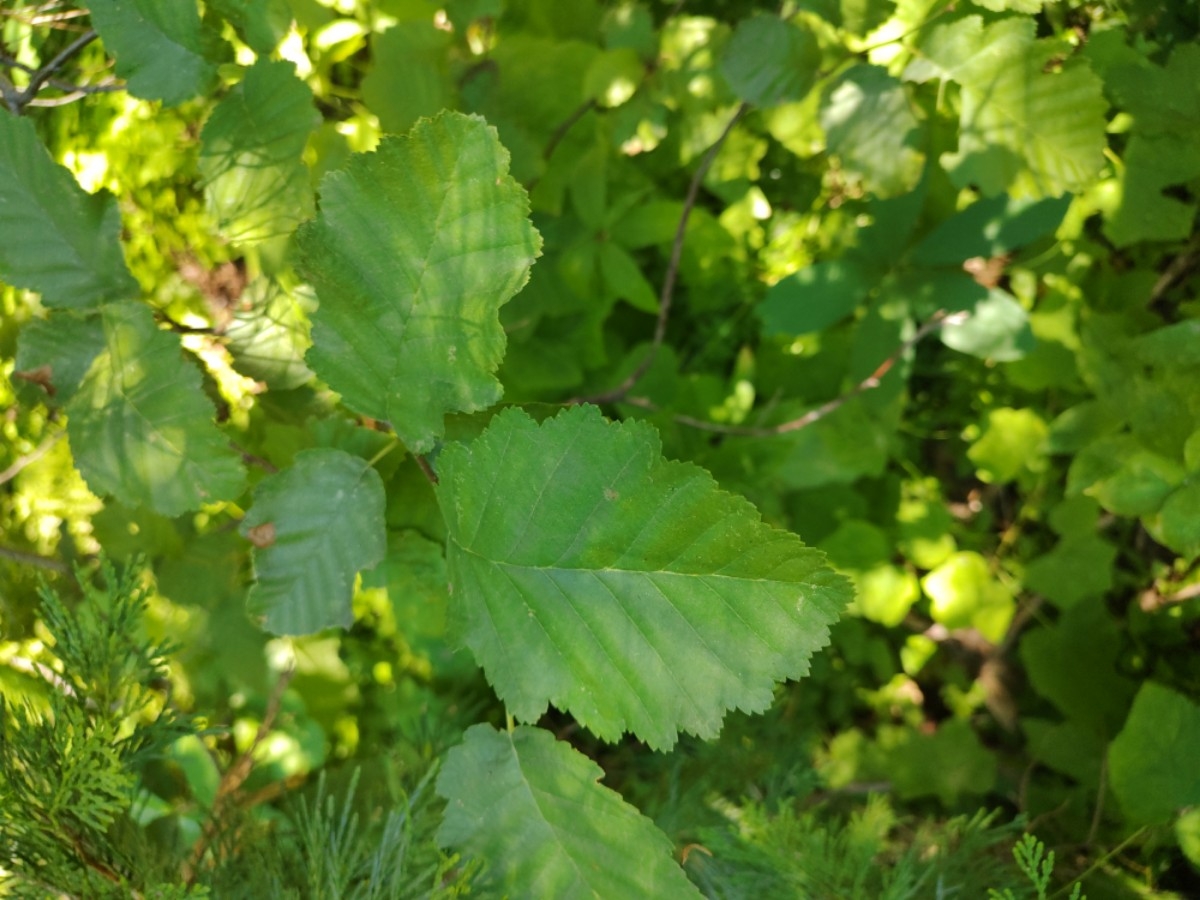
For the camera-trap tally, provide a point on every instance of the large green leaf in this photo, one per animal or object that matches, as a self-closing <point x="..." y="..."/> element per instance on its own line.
<point x="163" y="50"/>
<point x="55" y="238"/>
<point x="589" y="573"/>
<point x="1022" y="129"/>
<point x="140" y="425"/>
<point x="415" y="250"/>
<point x="314" y="527"/>
<point x="532" y="808"/>
<point x="816" y="297"/>
<point x="1153" y="760"/>
<point x="250" y="149"/>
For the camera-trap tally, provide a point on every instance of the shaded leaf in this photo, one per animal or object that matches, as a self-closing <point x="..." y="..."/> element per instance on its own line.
<point x="416" y="248"/>
<point x="589" y="573"/>
<point x="64" y="342"/>
<point x="815" y="297"/>
<point x="54" y="237"/>
<point x="163" y="50"/>
<point x="532" y="807"/>
<point x="769" y="61"/>
<point x="140" y="425"/>
<point x="1152" y="762"/>
<point x="327" y="524"/>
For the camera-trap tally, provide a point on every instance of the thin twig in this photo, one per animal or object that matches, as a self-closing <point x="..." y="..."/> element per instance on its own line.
<point x="30" y="458"/>
<point x="253" y="459"/>
<point x="235" y="776"/>
<point x="38" y="78"/>
<point x="425" y="467"/>
<point x="32" y="559"/>
<point x="561" y="131"/>
<point x="668" y="286"/>
<point x="872" y="381"/>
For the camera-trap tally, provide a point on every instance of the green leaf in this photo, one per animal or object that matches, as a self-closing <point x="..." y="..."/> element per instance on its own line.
<point x="62" y="346"/>
<point x="589" y="573"/>
<point x="260" y="23"/>
<point x="256" y="184"/>
<point x="532" y="808"/>
<point x="769" y="61"/>
<point x="314" y="526"/>
<point x="1074" y="666"/>
<point x="997" y="329"/>
<point x="1079" y="567"/>
<point x="163" y="50"/>
<point x="55" y="238"/>
<point x="416" y="248"/>
<point x="1152" y="762"/>
<point x="965" y="594"/>
<point x="269" y="333"/>
<point x="409" y="76"/>
<point x="1179" y="520"/>
<point x="1010" y="444"/>
<point x="870" y="126"/>
<point x="140" y="425"/>
<point x="990" y="227"/>
<point x="1022" y="129"/>
<point x="1162" y="150"/>
<point x="815" y="297"/>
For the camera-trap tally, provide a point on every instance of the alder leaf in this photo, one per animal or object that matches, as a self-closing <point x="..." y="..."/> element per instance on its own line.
<point x="1023" y="129"/>
<point x="769" y="61"/>
<point x="140" y="425"/>
<point x="416" y="248"/>
<point x="314" y="527"/>
<point x="255" y="182"/>
<point x="531" y="806"/>
<point x="162" y="48"/>
<point x="55" y="238"/>
<point x="632" y="592"/>
<point x="1153" y="759"/>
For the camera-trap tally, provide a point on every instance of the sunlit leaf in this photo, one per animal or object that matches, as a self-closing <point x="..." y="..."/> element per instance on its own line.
<point x="532" y="808"/>
<point x="256" y="184"/>
<point x="589" y="573"/>
<point x="416" y="248"/>
<point x="140" y="425"/>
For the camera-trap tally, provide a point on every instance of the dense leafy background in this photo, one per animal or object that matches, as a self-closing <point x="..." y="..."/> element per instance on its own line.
<point x="970" y="226"/>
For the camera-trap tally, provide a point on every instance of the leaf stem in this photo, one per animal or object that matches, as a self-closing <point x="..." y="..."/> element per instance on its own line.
<point x="388" y="448"/>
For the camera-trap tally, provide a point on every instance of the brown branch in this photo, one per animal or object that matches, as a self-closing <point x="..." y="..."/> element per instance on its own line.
<point x="18" y="100"/>
<point x="669" y="280"/>
<point x="266" y="465"/>
<point x="235" y="776"/>
<point x="425" y="467"/>
<point x="872" y="381"/>
<point x="33" y="559"/>
<point x="566" y="125"/>
<point x="30" y="458"/>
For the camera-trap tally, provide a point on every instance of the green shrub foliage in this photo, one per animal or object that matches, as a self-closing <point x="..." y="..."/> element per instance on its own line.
<point x="599" y="449"/>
